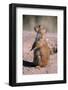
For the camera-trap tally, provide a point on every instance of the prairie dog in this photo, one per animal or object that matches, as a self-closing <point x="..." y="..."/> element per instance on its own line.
<point x="40" y="47"/>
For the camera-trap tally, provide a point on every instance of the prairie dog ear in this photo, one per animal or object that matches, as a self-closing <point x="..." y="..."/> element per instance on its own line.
<point x="36" y="29"/>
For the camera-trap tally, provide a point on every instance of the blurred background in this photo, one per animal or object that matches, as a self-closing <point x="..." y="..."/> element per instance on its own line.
<point x="50" y="22"/>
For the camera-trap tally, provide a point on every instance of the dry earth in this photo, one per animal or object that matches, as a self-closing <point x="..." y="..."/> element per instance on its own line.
<point x="28" y="67"/>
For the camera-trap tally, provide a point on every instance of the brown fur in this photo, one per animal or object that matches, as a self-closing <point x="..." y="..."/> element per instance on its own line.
<point x="42" y="46"/>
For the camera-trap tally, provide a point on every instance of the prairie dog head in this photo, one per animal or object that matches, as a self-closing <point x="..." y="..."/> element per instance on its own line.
<point x="40" y="29"/>
<point x="41" y="32"/>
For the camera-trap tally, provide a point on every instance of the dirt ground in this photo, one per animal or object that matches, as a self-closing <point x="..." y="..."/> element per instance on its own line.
<point x="28" y="67"/>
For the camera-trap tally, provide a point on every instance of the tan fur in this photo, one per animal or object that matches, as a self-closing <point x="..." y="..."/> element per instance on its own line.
<point x="43" y="47"/>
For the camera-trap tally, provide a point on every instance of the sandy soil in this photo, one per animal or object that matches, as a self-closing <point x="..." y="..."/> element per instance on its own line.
<point x="28" y="67"/>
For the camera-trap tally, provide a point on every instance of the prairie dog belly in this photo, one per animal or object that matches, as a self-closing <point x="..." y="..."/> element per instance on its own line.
<point x="45" y="54"/>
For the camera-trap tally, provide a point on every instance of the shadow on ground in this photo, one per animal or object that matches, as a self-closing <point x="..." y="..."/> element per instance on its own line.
<point x="28" y="64"/>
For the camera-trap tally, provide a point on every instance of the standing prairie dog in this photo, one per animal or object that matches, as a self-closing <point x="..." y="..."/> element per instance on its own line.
<point x="40" y="47"/>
